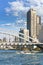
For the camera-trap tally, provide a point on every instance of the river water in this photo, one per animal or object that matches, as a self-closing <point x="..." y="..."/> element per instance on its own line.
<point x="12" y="57"/>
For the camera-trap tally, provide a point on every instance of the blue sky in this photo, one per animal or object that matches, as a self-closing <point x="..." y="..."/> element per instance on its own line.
<point x="13" y="12"/>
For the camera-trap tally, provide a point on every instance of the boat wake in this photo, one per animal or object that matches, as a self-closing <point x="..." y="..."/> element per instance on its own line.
<point x="23" y="52"/>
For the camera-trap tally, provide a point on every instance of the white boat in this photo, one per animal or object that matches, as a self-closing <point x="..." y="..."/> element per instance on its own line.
<point x="22" y="52"/>
<point x="25" y="52"/>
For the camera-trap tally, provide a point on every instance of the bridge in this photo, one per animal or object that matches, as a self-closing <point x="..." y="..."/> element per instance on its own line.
<point x="35" y="41"/>
<point x="13" y="35"/>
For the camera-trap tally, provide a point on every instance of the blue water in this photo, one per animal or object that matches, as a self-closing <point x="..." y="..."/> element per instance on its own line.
<point x="11" y="57"/>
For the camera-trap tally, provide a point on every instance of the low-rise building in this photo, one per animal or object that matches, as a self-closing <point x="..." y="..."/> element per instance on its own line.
<point x="16" y="39"/>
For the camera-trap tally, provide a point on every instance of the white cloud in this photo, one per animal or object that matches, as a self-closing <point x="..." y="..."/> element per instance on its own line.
<point x="16" y="7"/>
<point x="7" y="24"/>
<point x="38" y="5"/>
<point x="21" y="21"/>
<point x="20" y="7"/>
<point x="9" y="31"/>
<point x="18" y="24"/>
<point x="7" y="9"/>
<point x="9" y="28"/>
<point x="25" y="23"/>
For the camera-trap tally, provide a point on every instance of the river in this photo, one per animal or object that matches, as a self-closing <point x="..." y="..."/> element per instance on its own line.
<point x="12" y="57"/>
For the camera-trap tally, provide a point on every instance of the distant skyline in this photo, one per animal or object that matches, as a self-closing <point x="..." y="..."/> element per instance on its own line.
<point x="13" y="13"/>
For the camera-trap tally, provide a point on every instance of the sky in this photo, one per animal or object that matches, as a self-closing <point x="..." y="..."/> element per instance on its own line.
<point x="13" y="13"/>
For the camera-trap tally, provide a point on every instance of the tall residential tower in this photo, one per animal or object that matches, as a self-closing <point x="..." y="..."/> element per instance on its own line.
<point x="33" y="23"/>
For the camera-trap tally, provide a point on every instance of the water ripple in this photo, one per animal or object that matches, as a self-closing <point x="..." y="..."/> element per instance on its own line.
<point x="10" y="57"/>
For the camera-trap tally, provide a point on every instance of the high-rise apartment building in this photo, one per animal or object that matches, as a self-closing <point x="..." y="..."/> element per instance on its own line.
<point x="24" y="33"/>
<point x="38" y="26"/>
<point x="33" y="23"/>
